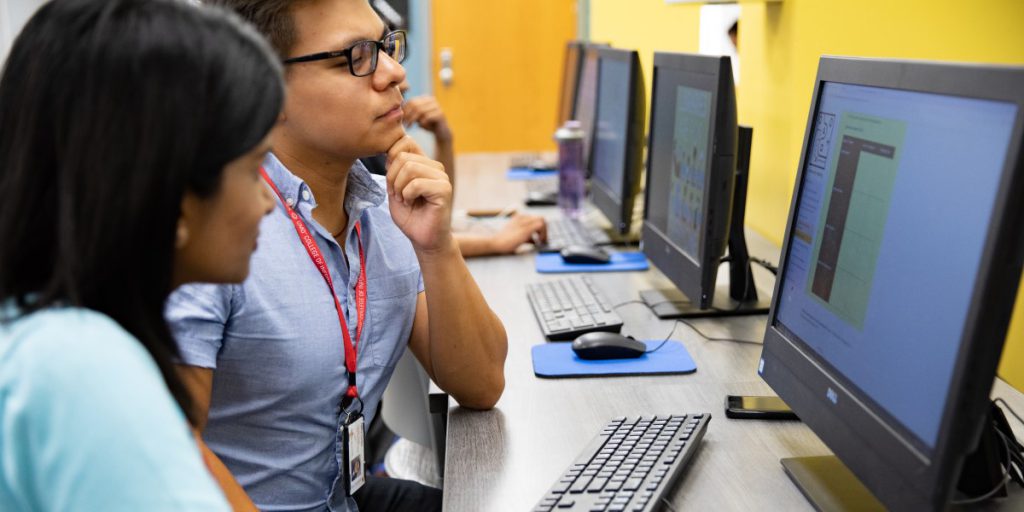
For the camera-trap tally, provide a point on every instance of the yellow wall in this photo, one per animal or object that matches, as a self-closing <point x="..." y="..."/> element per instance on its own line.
<point x="507" y="59"/>
<point x="779" y="47"/>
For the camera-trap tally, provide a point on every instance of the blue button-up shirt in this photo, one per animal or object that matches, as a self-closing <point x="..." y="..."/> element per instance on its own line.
<point x="277" y="349"/>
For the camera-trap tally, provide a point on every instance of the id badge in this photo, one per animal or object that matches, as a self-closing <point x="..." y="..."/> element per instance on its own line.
<point x="352" y="433"/>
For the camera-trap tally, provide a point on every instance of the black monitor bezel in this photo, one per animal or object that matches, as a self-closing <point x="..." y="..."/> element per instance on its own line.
<point x="619" y="210"/>
<point x="696" y="278"/>
<point x="569" y="89"/>
<point x="878" y="452"/>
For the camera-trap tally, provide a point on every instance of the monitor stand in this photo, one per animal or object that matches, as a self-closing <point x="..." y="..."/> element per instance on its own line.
<point x="742" y="296"/>
<point x="829" y="485"/>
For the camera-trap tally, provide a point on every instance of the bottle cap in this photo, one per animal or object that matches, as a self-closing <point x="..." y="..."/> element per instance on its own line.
<point x="572" y="129"/>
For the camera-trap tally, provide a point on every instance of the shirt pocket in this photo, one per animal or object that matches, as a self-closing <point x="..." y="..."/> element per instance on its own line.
<point x="391" y="305"/>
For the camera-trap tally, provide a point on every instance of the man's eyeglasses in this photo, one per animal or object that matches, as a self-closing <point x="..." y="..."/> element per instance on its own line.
<point x="362" y="56"/>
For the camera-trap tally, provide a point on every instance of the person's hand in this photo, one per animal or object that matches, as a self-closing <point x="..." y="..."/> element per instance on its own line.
<point x="518" y="230"/>
<point x="426" y="112"/>
<point x="420" y="196"/>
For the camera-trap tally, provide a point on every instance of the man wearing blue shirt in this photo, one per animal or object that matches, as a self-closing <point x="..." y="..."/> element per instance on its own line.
<point x="266" y="359"/>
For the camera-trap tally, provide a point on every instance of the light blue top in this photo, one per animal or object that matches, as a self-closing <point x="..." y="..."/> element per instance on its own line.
<point x="87" y="423"/>
<point x="277" y="349"/>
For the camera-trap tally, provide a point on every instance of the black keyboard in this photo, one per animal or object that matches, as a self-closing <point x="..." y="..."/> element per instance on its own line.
<point x="630" y="466"/>
<point x="563" y="232"/>
<point x="568" y="307"/>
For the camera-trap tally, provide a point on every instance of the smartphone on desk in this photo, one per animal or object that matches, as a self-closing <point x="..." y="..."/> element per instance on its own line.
<point x="758" y="407"/>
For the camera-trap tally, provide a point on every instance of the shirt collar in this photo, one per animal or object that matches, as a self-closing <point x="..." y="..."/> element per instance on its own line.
<point x="361" y="193"/>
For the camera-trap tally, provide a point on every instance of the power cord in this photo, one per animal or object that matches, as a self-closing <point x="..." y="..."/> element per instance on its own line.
<point x="1013" y="457"/>
<point x="1002" y="483"/>
<point x="1018" y="449"/>
<point x="1000" y="401"/>
<point x="767" y="265"/>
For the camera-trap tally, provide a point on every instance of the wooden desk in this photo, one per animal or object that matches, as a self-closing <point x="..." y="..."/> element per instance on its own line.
<point x="506" y="458"/>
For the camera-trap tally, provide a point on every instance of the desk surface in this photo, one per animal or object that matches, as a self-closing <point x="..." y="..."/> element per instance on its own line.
<point x="506" y="458"/>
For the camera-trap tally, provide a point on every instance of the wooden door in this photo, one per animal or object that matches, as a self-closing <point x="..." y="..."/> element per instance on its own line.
<point x="506" y="66"/>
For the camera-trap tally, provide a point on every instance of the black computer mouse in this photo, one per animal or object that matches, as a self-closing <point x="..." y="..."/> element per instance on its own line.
<point x="585" y="254"/>
<point x="545" y="198"/>
<point x="607" y="345"/>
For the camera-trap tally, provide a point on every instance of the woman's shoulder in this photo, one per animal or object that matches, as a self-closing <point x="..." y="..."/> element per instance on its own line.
<point x="57" y="349"/>
<point x="76" y="386"/>
<point x="56" y="337"/>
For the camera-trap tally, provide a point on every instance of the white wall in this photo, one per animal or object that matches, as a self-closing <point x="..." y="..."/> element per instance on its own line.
<point x="13" y="15"/>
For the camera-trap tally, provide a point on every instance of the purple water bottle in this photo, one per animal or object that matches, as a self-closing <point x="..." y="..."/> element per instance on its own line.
<point x="571" y="175"/>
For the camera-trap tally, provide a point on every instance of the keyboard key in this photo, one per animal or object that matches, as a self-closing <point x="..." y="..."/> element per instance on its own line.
<point x="580" y="485"/>
<point x="632" y="484"/>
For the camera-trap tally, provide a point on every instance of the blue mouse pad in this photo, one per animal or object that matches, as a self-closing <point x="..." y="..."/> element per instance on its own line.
<point x="552" y="263"/>
<point x="529" y="173"/>
<point x="554" y="360"/>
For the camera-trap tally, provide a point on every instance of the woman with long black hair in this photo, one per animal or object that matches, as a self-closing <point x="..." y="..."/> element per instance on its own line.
<point x="131" y="137"/>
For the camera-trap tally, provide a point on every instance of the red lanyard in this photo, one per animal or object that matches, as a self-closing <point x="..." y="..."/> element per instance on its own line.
<point x="321" y="265"/>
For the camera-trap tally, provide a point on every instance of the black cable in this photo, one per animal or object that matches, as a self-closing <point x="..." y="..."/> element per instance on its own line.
<point x="710" y="338"/>
<point x="767" y="265"/>
<point x="664" y="341"/>
<point x="1017" y="447"/>
<point x="628" y="302"/>
<point x="1006" y="406"/>
<point x="1000" y="485"/>
<point x="682" y="320"/>
<point x="669" y="505"/>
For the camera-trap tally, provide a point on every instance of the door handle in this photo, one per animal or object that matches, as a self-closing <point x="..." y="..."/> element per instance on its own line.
<point x="446" y="74"/>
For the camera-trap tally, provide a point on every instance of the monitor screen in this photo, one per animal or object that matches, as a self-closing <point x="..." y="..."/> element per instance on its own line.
<point x="678" y="207"/>
<point x="586" y="97"/>
<point x="608" y="158"/>
<point x="892" y="179"/>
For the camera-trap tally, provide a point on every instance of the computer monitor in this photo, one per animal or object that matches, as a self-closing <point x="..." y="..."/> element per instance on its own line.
<point x="616" y="155"/>
<point x="570" y="78"/>
<point x="899" y="268"/>
<point x="586" y="97"/>
<point x="696" y="192"/>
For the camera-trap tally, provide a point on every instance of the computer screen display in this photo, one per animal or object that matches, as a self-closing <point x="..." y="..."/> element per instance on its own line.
<point x="681" y="145"/>
<point x="609" y="152"/>
<point x="690" y="139"/>
<point x="886" y="241"/>
<point x="586" y="97"/>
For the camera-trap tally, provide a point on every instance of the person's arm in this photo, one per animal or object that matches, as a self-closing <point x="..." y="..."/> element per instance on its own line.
<point x="233" y="492"/>
<point x="520" y="229"/>
<point x="455" y="335"/>
<point x="199" y="383"/>
<point x="426" y="112"/>
<point x="197" y="314"/>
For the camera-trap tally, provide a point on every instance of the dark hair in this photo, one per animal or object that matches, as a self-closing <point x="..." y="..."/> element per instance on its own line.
<point x="273" y="18"/>
<point x="110" y="110"/>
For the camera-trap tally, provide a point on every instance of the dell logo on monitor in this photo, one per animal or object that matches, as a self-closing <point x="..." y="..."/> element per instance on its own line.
<point x="832" y="395"/>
